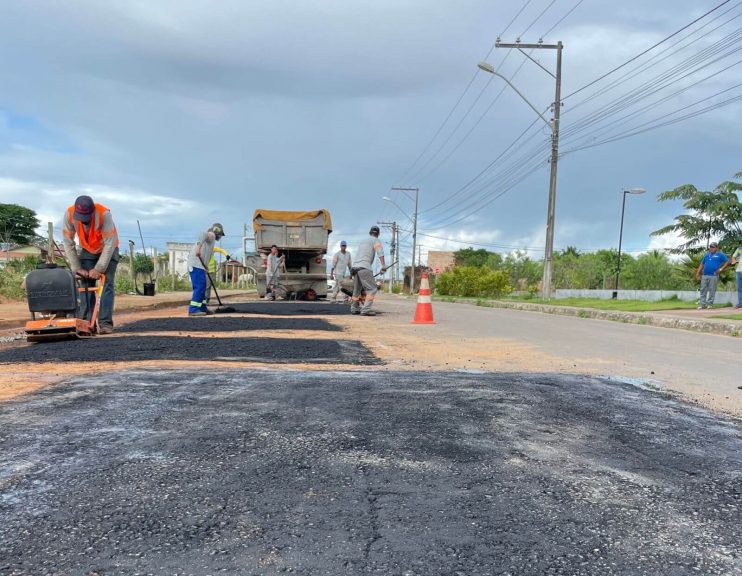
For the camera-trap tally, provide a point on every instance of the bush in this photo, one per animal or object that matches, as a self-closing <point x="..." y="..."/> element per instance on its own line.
<point x="143" y="264"/>
<point x="122" y="284"/>
<point x="12" y="275"/>
<point x="473" y="282"/>
<point x="175" y="283"/>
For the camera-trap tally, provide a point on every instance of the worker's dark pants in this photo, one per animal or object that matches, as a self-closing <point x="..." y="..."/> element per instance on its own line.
<point x="105" y="313"/>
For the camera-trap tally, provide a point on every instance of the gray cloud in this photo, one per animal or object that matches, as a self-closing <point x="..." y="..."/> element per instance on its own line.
<point x="226" y="107"/>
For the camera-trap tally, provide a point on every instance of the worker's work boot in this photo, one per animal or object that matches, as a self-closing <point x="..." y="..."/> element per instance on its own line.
<point x="105" y="329"/>
<point x="368" y="313"/>
<point x="355" y="308"/>
<point x="209" y="312"/>
<point x="197" y="313"/>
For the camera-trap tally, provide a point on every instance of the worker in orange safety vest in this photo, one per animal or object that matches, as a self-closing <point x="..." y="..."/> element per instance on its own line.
<point x="93" y="226"/>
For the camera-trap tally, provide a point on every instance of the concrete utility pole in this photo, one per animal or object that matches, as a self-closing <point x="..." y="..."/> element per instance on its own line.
<point x="414" y="233"/>
<point x="392" y="250"/>
<point x="556" y="107"/>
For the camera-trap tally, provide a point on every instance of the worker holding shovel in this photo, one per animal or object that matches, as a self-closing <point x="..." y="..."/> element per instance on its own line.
<point x="200" y="253"/>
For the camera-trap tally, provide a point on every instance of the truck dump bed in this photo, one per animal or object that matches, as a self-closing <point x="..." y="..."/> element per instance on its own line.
<point x="301" y="238"/>
<point x="290" y="230"/>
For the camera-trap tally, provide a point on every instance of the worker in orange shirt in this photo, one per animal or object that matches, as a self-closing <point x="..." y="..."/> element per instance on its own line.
<point x="93" y="226"/>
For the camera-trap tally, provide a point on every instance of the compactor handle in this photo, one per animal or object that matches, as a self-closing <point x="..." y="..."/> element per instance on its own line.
<point x="99" y="284"/>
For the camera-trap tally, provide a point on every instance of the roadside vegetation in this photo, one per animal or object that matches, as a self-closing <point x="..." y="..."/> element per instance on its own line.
<point x="708" y="215"/>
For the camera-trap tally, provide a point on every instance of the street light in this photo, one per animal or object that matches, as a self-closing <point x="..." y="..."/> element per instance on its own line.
<point x="414" y="228"/>
<point x="554" y="126"/>
<point x="620" y="235"/>
<point x="487" y="67"/>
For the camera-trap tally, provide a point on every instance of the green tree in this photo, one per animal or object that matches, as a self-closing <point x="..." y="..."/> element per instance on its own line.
<point x="478" y="258"/>
<point x="650" y="271"/>
<point x="714" y="214"/>
<point x="143" y="264"/>
<point x="522" y="271"/>
<point x="18" y="224"/>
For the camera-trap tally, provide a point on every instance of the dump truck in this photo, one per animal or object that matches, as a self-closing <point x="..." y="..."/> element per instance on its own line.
<point x="301" y="238"/>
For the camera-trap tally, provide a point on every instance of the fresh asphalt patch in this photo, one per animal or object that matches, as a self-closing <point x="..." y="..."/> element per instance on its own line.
<point x="226" y="324"/>
<point x="236" y="349"/>
<point x="273" y="472"/>
<point x="288" y="308"/>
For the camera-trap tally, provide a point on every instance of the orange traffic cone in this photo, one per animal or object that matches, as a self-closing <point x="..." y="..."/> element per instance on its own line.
<point x="424" y="310"/>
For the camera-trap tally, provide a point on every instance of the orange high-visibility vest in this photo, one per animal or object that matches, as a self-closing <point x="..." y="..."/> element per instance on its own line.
<point x="93" y="239"/>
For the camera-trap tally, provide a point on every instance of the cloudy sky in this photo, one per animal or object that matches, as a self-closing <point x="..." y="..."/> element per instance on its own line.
<point x="179" y="113"/>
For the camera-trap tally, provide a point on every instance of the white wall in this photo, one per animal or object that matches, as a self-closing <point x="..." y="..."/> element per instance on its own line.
<point x="178" y="252"/>
<point x="647" y="295"/>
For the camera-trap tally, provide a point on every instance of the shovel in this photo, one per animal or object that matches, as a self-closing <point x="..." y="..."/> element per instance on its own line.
<point x="221" y="309"/>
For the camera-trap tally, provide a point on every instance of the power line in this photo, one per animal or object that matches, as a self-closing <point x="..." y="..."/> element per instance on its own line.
<point x="630" y="60"/>
<point x="558" y="22"/>
<point x="408" y="174"/>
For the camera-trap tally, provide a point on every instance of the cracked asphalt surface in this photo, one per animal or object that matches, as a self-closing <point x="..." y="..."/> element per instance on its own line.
<point x="170" y="347"/>
<point x="226" y="324"/>
<point x="395" y="473"/>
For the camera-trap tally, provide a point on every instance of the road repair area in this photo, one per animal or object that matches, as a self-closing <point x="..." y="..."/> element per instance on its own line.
<point x="494" y="442"/>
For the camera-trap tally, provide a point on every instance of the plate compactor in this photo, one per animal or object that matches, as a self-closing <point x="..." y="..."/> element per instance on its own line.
<point x="52" y="293"/>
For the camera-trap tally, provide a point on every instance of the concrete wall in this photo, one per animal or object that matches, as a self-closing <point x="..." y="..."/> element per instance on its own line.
<point x="178" y="253"/>
<point x="647" y="295"/>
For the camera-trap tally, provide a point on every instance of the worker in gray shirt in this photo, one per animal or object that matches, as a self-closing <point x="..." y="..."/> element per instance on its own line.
<point x="273" y="272"/>
<point x="197" y="261"/>
<point x="341" y="266"/>
<point x="93" y="226"/>
<point x="363" y="275"/>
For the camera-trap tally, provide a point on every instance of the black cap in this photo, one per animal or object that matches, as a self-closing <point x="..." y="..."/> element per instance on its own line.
<point x="84" y="209"/>
<point x="374" y="230"/>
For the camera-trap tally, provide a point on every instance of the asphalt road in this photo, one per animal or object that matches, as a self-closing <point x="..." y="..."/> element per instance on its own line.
<point x="678" y="359"/>
<point x="394" y="473"/>
<point x="133" y="348"/>
<point x="220" y="323"/>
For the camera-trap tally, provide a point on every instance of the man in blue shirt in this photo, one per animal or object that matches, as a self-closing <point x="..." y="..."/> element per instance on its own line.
<point x="712" y="264"/>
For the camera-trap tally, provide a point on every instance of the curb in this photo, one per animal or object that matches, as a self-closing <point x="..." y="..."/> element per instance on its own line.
<point x="722" y="327"/>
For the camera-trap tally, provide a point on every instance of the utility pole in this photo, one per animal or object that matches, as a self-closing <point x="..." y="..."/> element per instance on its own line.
<point x="556" y="108"/>
<point x="393" y="249"/>
<point x="414" y="233"/>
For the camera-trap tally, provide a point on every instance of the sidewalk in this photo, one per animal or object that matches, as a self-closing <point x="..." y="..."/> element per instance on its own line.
<point x="695" y="320"/>
<point x="15" y="314"/>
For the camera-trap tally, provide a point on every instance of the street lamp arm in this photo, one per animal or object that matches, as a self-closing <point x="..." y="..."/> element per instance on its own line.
<point x="489" y="68"/>
<point x="398" y="207"/>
